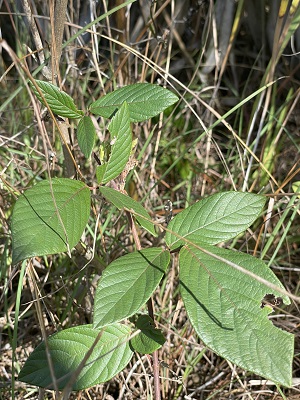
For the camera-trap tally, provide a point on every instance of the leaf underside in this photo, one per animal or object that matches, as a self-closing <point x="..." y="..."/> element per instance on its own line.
<point x="223" y="305"/>
<point x="49" y="218"/>
<point x="68" y="348"/>
<point x="215" y="219"/>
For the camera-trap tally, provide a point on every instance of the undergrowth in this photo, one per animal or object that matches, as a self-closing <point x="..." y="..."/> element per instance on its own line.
<point x="239" y="61"/>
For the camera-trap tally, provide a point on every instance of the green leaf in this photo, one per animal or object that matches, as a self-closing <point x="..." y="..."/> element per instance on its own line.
<point x="121" y="137"/>
<point x="121" y="200"/>
<point x="49" y="218"/>
<point x="214" y="219"/>
<point x="127" y="283"/>
<point x="292" y="29"/>
<point x="145" y="100"/>
<point x="224" y="307"/>
<point x="149" y="339"/>
<point x="100" y="171"/>
<point x="59" y="102"/>
<point x="67" y="350"/>
<point x="86" y="135"/>
<point x="296" y="187"/>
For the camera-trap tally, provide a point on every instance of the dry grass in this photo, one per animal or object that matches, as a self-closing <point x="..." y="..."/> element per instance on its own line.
<point x="191" y="152"/>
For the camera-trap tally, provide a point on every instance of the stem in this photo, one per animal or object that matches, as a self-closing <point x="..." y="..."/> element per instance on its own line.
<point x="155" y="364"/>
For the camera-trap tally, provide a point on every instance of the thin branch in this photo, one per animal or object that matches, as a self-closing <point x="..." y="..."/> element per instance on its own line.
<point x="37" y="39"/>
<point x="58" y="25"/>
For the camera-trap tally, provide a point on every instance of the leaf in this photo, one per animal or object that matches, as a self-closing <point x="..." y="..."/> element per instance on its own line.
<point x="127" y="283"/>
<point x="223" y="305"/>
<point x="121" y="200"/>
<point x="296" y="187"/>
<point x="121" y="135"/>
<point x="145" y="100"/>
<point x="290" y="28"/>
<point x="59" y="102"/>
<point x="49" y="218"/>
<point x="86" y="135"/>
<point x="149" y="339"/>
<point x="214" y="219"/>
<point x="100" y="171"/>
<point x="68" y="348"/>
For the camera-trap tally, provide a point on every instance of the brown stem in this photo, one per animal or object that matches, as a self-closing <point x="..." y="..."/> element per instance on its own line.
<point x="37" y="39"/>
<point x="154" y="357"/>
<point x="58" y="19"/>
<point x="60" y="10"/>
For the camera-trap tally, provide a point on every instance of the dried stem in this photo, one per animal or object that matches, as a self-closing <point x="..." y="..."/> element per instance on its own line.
<point x="37" y="39"/>
<point x="58" y="25"/>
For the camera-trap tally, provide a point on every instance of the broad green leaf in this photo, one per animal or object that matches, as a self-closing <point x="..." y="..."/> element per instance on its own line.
<point x="149" y="339"/>
<point x="214" y="219"/>
<point x="121" y="200"/>
<point x="224" y="307"/>
<point x="59" y="102"/>
<point x="49" y="218"/>
<point x="86" y="135"/>
<point x="145" y="100"/>
<point x="127" y="283"/>
<point x="67" y="350"/>
<point x="121" y="141"/>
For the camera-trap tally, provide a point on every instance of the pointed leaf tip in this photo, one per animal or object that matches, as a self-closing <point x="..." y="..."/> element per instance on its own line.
<point x="68" y="348"/>
<point x="59" y="102"/>
<point x="215" y="219"/>
<point x="136" y="275"/>
<point x="86" y="135"/>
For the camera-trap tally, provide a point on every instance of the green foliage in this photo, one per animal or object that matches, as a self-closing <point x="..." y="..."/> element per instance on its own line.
<point x="136" y="275"/>
<point x="121" y="143"/>
<point x="296" y="187"/>
<point x="222" y="289"/>
<point x="121" y="200"/>
<point x="149" y="339"/>
<point x="86" y="135"/>
<point x="223" y="305"/>
<point x="58" y="101"/>
<point x="49" y="218"/>
<point x="215" y="219"/>
<point x="144" y="100"/>
<point x="67" y="350"/>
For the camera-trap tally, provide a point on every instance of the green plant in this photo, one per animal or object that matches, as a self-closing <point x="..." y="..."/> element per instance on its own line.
<point x="227" y="294"/>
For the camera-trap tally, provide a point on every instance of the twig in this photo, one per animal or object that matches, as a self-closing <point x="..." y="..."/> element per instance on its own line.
<point x="59" y="23"/>
<point x="37" y="297"/>
<point x="37" y="39"/>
